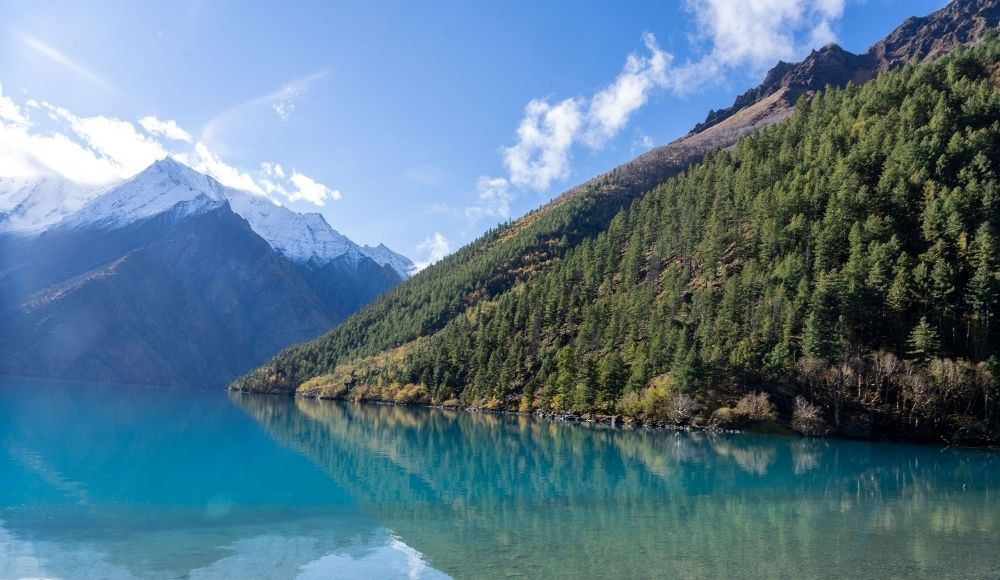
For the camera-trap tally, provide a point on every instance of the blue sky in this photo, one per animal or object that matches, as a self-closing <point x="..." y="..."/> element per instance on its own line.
<point x="415" y="124"/>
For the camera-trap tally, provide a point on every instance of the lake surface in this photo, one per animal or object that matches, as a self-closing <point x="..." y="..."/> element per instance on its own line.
<point x="124" y="482"/>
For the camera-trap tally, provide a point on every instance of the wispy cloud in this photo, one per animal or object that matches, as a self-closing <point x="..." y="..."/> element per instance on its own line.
<point x="283" y="100"/>
<point x="101" y="150"/>
<point x="280" y="102"/>
<point x="494" y="198"/>
<point x="426" y="174"/>
<point x="433" y="248"/>
<point x="168" y="129"/>
<point x="545" y="136"/>
<point x="59" y="58"/>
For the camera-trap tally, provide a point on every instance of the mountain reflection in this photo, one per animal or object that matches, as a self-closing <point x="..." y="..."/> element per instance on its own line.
<point x="485" y="495"/>
<point x="115" y="482"/>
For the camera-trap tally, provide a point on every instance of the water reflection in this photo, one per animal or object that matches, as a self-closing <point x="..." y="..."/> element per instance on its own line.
<point x="119" y="483"/>
<point x="101" y="482"/>
<point x="486" y="495"/>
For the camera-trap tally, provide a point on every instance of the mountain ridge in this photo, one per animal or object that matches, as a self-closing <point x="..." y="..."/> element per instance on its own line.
<point x="301" y="237"/>
<point x="399" y="340"/>
<point x="916" y="40"/>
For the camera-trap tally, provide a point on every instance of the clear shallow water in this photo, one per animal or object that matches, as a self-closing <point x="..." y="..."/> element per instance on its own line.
<point x="119" y="482"/>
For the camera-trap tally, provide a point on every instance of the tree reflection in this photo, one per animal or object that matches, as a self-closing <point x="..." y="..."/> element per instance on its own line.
<point x="483" y="495"/>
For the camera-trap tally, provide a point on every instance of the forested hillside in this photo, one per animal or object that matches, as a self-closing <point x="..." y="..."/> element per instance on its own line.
<point x="845" y="262"/>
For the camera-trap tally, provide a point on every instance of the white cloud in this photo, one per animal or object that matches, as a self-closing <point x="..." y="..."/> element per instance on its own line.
<point x="611" y="108"/>
<point x="642" y="142"/>
<point x="27" y="154"/>
<point x="283" y="100"/>
<point x="204" y="160"/>
<point x="296" y="187"/>
<point x="284" y="109"/>
<point x="310" y="190"/>
<point x="433" y="248"/>
<point x="494" y="198"/>
<point x="822" y="35"/>
<point x="101" y="150"/>
<point x="545" y="136"/>
<point x="113" y="139"/>
<point x="11" y="112"/>
<point x="548" y="132"/>
<point x="759" y="33"/>
<point x="88" y="150"/>
<point x="272" y="169"/>
<point x="168" y="129"/>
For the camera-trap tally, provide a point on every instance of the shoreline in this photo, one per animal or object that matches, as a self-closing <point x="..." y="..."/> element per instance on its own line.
<point x="624" y="422"/>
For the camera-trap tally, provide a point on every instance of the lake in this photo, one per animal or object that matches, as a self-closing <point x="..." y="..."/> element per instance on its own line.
<point x="138" y="482"/>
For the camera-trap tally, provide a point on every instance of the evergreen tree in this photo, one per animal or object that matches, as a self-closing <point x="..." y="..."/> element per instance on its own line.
<point x="923" y="341"/>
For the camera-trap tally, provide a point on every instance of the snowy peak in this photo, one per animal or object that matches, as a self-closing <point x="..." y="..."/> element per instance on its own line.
<point x="171" y="186"/>
<point x="164" y="186"/>
<point x="31" y="205"/>
<point x="383" y="255"/>
<point x="302" y="238"/>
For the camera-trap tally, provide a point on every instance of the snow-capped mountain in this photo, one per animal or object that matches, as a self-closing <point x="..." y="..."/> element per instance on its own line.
<point x="167" y="185"/>
<point x="31" y="205"/>
<point x="383" y="255"/>
<point x="169" y="278"/>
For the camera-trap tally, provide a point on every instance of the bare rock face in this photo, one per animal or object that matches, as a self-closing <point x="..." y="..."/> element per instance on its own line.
<point x="831" y="65"/>
<point x="920" y="39"/>
<point x="915" y="40"/>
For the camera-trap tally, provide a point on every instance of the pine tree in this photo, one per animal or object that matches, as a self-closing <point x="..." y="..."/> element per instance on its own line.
<point x="923" y="341"/>
<point x="613" y="376"/>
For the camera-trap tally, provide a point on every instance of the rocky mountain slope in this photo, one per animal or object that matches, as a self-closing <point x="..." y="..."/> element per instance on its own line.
<point x="914" y="41"/>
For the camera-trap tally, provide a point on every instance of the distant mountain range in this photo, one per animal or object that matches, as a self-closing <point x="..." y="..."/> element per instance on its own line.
<point x="169" y="278"/>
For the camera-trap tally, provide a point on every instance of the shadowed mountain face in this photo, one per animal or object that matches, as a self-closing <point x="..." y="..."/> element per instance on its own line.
<point x="138" y="287"/>
<point x="345" y="286"/>
<point x="187" y="303"/>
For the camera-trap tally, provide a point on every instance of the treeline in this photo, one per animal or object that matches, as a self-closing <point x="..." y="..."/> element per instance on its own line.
<point x="845" y="261"/>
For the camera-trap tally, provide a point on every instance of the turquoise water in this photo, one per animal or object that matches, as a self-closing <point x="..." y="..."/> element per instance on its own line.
<point x="123" y="482"/>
